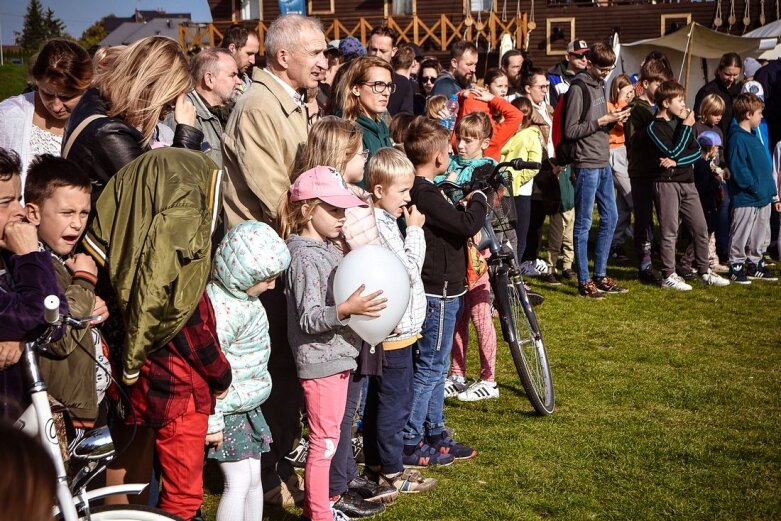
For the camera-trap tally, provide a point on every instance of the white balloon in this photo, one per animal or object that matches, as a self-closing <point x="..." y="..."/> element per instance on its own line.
<point x="379" y="269"/>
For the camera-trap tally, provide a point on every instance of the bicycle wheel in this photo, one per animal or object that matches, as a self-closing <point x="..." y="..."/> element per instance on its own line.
<point x="130" y="513"/>
<point x="527" y="347"/>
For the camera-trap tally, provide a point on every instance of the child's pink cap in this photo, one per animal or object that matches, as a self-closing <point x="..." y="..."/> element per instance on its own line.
<point x="326" y="184"/>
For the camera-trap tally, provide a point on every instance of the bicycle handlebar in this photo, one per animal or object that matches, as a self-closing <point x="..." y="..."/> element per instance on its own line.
<point x="494" y="180"/>
<point x="51" y="313"/>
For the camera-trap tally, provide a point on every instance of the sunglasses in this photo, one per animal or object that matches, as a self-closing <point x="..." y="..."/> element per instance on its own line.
<point x="428" y="79"/>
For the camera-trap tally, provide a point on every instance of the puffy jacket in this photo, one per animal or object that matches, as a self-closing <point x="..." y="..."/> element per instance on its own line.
<point x="249" y="253"/>
<point x="107" y="144"/>
<point x="152" y="235"/>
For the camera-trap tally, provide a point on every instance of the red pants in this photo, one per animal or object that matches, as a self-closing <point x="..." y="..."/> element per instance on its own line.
<point x="477" y="306"/>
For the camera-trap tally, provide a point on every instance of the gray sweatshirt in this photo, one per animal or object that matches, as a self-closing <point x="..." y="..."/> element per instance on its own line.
<point x="592" y="149"/>
<point x="322" y="345"/>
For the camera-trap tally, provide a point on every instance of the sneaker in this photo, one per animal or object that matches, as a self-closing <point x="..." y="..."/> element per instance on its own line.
<point x="712" y="279"/>
<point x="541" y="266"/>
<point x="528" y="269"/>
<point x="685" y="272"/>
<point x="535" y="299"/>
<point x="409" y="481"/>
<point x="720" y="268"/>
<point x="353" y="505"/>
<point x="650" y="276"/>
<point x="618" y="254"/>
<point x="590" y="290"/>
<point x="454" y="385"/>
<point x="760" y="272"/>
<point x="674" y="281"/>
<point x="480" y="390"/>
<point x="738" y="275"/>
<point x="372" y="490"/>
<point x="357" y="444"/>
<point x="569" y="274"/>
<point x="551" y="279"/>
<point x="448" y="446"/>
<point x="423" y="455"/>
<point x="608" y="285"/>
<point x="297" y="456"/>
<point x="338" y="515"/>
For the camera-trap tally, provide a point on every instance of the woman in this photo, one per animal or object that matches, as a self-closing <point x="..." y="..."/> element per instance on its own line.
<point x="148" y="78"/>
<point x="33" y="123"/>
<point x="726" y="85"/>
<point x="429" y="70"/>
<point x="365" y="90"/>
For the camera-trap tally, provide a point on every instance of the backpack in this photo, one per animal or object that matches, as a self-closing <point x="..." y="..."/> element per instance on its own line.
<point x="565" y="148"/>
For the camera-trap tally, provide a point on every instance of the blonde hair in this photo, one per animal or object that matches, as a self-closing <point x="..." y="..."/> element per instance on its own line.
<point x="332" y="142"/>
<point x="105" y="57"/>
<point x="386" y="166"/>
<point x="435" y="105"/>
<point x="145" y="79"/>
<point x="357" y="73"/>
<point x="293" y="215"/>
<point x="711" y="105"/>
<point x="475" y="125"/>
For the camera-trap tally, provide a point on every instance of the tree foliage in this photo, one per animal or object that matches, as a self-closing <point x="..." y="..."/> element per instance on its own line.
<point x="39" y="26"/>
<point x="93" y="34"/>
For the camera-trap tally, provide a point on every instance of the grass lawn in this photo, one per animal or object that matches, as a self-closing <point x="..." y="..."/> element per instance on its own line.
<point x="13" y="80"/>
<point x="668" y="407"/>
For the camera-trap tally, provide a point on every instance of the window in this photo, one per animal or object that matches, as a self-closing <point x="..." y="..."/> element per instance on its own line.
<point x="321" y="6"/>
<point x="480" y="5"/>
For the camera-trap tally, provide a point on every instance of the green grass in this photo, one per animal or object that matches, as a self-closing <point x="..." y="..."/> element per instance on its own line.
<point x="13" y="80"/>
<point x="668" y="407"/>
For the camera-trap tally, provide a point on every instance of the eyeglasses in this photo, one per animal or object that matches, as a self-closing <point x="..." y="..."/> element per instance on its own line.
<point x="606" y="70"/>
<point x="378" y="87"/>
<point x="364" y="153"/>
<point x="428" y="79"/>
<point x="542" y="86"/>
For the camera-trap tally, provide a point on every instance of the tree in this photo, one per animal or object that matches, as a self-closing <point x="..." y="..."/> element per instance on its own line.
<point x="93" y="34"/>
<point x="39" y="27"/>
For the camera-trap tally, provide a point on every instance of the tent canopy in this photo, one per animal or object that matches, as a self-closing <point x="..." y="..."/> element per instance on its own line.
<point x="771" y="30"/>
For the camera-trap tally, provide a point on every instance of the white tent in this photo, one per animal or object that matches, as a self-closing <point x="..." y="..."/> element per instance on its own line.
<point x="703" y="45"/>
<point x="771" y="30"/>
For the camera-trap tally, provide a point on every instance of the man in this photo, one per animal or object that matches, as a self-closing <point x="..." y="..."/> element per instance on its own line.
<point x="511" y="65"/>
<point x="243" y="44"/>
<point x="561" y="75"/>
<point x="463" y="64"/>
<point x="382" y="43"/>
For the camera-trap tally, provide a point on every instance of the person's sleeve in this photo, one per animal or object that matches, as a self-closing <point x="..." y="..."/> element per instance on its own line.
<point x="188" y="137"/>
<point x="776" y="166"/>
<point x="443" y="215"/>
<point x="315" y="317"/>
<point x="406" y="101"/>
<point x="118" y="146"/>
<point x="81" y="301"/>
<point x="573" y="127"/>
<point x="740" y="167"/>
<point x="512" y="118"/>
<point x="415" y="251"/>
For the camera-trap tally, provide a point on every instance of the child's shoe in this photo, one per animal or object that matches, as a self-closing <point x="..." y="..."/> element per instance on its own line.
<point x="569" y="274"/>
<point x="720" y="268"/>
<point x="528" y="269"/>
<point x="297" y="456"/>
<point x="590" y="290"/>
<point x="480" y="390"/>
<point x="712" y="279"/>
<point x="409" y="481"/>
<point x="650" y="276"/>
<point x="423" y="455"/>
<point x="448" y="446"/>
<point x="371" y="490"/>
<point x="674" y="281"/>
<point x="760" y="272"/>
<point x="608" y="285"/>
<point x="354" y="506"/>
<point x="454" y="385"/>
<point x="737" y="274"/>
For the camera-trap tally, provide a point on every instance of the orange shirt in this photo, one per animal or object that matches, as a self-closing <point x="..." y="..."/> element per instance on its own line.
<point x="617" y="132"/>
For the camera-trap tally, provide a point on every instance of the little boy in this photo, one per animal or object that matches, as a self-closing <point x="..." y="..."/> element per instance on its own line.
<point x="426" y="442"/>
<point x="57" y="193"/>
<point x="752" y="190"/>
<point x="390" y="176"/>
<point x="674" y="191"/>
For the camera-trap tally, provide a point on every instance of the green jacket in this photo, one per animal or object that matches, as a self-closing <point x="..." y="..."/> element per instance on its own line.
<point x="152" y="234"/>
<point x="376" y="135"/>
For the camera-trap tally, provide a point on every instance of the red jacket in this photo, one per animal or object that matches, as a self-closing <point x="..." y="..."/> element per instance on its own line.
<point x="502" y="132"/>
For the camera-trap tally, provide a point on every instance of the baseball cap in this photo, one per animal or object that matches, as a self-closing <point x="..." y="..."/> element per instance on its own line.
<point x="577" y="47"/>
<point x="754" y="87"/>
<point x="709" y="138"/>
<point x="326" y="184"/>
<point x="351" y="48"/>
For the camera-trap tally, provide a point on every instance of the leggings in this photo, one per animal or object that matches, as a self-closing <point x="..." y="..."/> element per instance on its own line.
<point x="242" y="497"/>
<point x="477" y="306"/>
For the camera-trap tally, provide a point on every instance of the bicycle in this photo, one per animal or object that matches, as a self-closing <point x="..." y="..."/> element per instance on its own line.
<point x="520" y="327"/>
<point x="87" y="455"/>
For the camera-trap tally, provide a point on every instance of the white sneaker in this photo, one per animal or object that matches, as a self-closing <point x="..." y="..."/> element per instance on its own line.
<point x="454" y="385"/>
<point x="480" y="390"/>
<point x="339" y="515"/>
<point x="541" y="266"/>
<point x="674" y="281"/>
<point x="712" y="279"/>
<point x="529" y="269"/>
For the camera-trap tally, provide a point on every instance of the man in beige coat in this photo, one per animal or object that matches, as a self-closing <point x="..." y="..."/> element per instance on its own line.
<point x="265" y="132"/>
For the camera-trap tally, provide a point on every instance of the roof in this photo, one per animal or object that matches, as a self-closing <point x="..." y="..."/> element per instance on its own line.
<point x="111" y="22"/>
<point x="130" y="32"/>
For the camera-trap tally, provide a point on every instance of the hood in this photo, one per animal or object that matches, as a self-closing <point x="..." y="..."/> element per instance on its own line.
<point x="296" y="242"/>
<point x="249" y="253"/>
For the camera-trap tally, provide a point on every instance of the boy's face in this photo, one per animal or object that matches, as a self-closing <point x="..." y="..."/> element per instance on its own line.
<point x="676" y="106"/>
<point x="11" y="209"/>
<point x="61" y="218"/>
<point x="471" y="147"/>
<point x="394" y="197"/>
<point x="598" y="72"/>
<point x="754" y="118"/>
<point x="650" y="88"/>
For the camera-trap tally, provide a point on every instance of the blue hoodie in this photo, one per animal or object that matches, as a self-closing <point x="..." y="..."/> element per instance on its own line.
<point x="751" y="174"/>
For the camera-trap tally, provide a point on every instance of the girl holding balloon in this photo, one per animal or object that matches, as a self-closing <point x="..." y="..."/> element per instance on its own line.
<point x="324" y="348"/>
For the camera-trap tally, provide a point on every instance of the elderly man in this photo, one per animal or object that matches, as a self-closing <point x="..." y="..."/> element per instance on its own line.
<point x="461" y="75"/>
<point x="382" y="44"/>
<point x="243" y="44"/>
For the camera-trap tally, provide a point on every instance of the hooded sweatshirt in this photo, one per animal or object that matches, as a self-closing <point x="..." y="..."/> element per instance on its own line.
<point x="751" y="181"/>
<point x="592" y="146"/>
<point x="249" y="253"/>
<point x="322" y="345"/>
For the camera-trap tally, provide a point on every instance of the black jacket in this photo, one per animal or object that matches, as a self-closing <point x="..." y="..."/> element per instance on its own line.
<point x="401" y="100"/>
<point x="108" y="144"/>
<point x="675" y="140"/>
<point x="446" y="231"/>
<point x="727" y="94"/>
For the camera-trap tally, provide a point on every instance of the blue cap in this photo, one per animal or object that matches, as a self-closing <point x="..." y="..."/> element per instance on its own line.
<point x="709" y="138"/>
<point x="351" y="48"/>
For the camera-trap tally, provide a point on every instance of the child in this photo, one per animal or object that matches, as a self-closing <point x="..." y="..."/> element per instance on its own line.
<point x="390" y="176"/>
<point x="674" y="192"/>
<point x="426" y="442"/>
<point x="246" y="263"/>
<point x="621" y="93"/>
<point x="752" y="190"/>
<point x="57" y="193"/>
<point x="323" y="348"/>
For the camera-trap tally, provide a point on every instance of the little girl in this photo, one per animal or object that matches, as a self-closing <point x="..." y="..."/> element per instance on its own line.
<point x="312" y="216"/>
<point x="246" y="263"/>
<point x="621" y="93"/>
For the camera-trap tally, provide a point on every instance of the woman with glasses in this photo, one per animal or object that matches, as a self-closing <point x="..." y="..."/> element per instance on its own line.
<point x="429" y="70"/>
<point x="365" y="90"/>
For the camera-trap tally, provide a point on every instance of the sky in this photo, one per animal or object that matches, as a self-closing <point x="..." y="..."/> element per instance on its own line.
<point x="80" y="14"/>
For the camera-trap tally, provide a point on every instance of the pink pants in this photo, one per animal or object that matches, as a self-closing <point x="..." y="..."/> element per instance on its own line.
<point x="326" y="399"/>
<point x="477" y="306"/>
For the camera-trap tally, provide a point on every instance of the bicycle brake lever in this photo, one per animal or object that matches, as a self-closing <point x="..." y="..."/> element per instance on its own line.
<point x="81" y="323"/>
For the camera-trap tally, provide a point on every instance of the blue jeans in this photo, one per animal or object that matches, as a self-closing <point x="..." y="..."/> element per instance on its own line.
<point x="591" y="184"/>
<point x="431" y="365"/>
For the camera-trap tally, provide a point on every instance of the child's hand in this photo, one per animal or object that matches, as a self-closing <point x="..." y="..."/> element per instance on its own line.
<point x="666" y="162"/>
<point x="481" y="93"/>
<point x="368" y="306"/>
<point x="414" y="217"/>
<point x="100" y="310"/>
<point x="452" y="176"/>
<point x="82" y="262"/>
<point x="20" y="237"/>
<point x="214" y="440"/>
<point x="725" y="173"/>
<point x="777" y="207"/>
<point x="10" y="352"/>
<point x="689" y="119"/>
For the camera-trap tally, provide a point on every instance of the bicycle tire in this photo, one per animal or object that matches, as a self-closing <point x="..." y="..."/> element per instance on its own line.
<point x="130" y="513"/>
<point x="526" y="344"/>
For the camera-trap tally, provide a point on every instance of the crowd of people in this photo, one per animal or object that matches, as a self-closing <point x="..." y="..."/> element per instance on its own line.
<point x="198" y="208"/>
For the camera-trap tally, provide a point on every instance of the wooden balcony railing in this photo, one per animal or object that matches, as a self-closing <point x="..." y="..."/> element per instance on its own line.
<point x="436" y="33"/>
